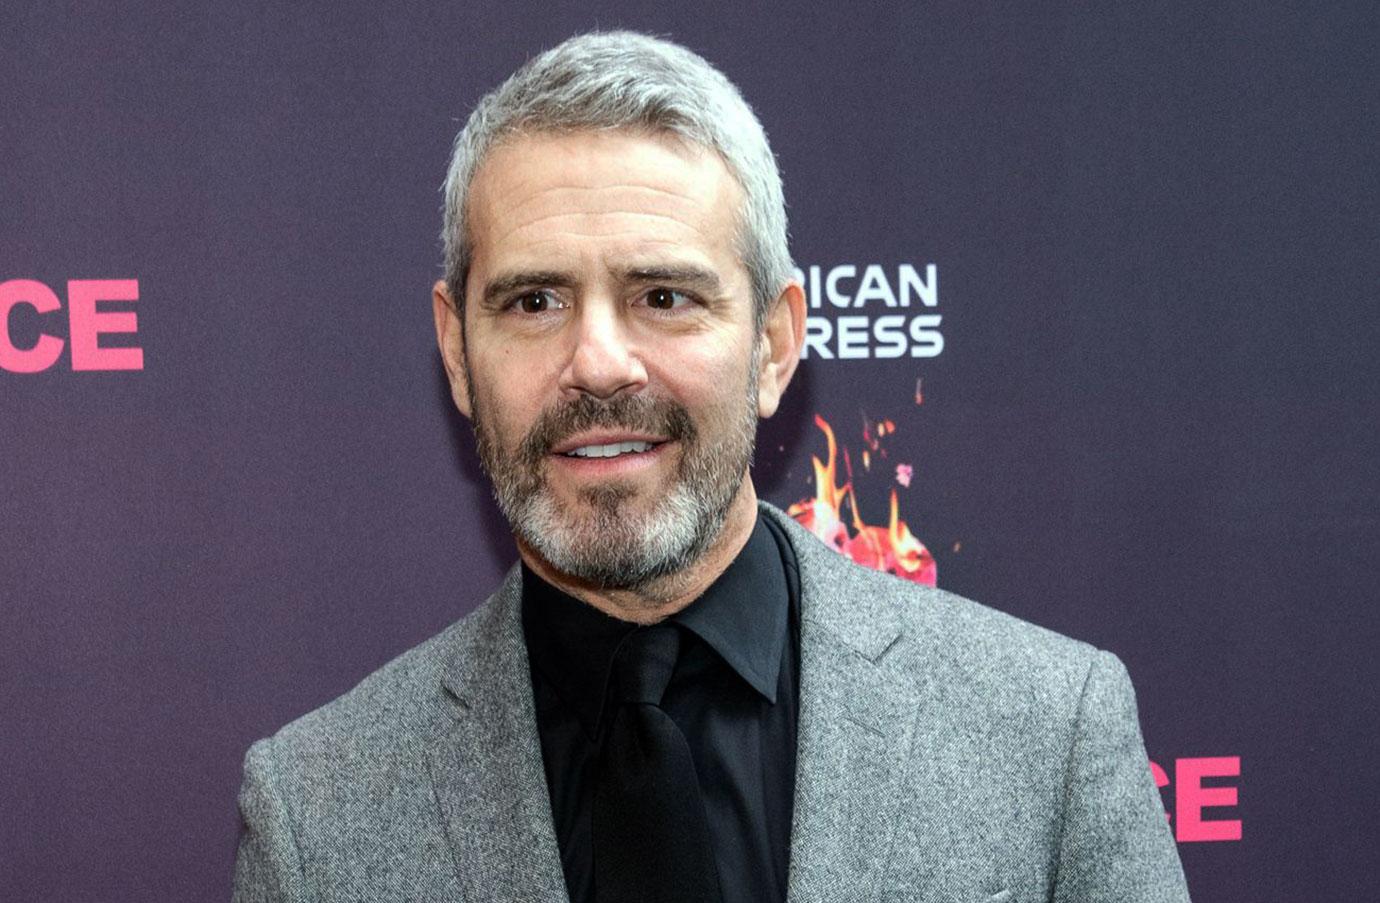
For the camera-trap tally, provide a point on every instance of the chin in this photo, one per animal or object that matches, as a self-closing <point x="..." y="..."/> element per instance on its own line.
<point x="613" y="545"/>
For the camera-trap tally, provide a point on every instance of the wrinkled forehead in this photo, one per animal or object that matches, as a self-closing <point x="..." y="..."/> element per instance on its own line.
<point x="554" y="187"/>
<point x="520" y="157"/>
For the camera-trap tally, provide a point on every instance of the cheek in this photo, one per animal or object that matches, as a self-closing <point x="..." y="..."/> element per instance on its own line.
<point x="509" y="394"/>
<point x="707" y="379"/>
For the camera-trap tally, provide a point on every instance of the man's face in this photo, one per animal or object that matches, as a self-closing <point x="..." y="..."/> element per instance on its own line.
<point x="610" y="361"/>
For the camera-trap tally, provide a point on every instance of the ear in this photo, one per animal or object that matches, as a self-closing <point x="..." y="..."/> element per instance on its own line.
<point x="450" y="339"/>
<point x="779" y="345"/>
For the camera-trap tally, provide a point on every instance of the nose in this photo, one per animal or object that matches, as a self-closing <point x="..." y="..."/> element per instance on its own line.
<point x="603" y="362"/>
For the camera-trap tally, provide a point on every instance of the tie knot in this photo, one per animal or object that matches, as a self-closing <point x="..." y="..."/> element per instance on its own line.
<point x="643" y="663"/>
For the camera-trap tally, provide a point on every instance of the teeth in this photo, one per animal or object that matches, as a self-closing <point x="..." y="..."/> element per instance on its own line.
<point x="609" y="451"/>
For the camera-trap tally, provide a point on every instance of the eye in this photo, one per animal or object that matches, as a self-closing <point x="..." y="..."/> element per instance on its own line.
<point x="666" y="299"/>
<point x="537" y="302"/>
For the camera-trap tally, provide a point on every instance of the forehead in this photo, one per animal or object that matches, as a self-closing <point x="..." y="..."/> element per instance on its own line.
<point x="613" y="192"/>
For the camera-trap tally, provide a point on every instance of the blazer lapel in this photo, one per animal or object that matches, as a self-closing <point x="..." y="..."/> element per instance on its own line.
<point x="487" y="769"/>
<point x="856" y="727"/>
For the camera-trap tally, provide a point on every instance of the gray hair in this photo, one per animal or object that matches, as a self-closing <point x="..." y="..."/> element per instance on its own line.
<point x="625" y="80"/>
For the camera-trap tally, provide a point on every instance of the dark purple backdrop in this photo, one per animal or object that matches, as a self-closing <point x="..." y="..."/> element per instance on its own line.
<point x="1153" y="424"/>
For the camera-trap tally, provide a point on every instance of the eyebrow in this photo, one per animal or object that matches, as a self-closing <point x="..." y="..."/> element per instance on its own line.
<point x="704" y="281"/>
<point x="508" y="283"/>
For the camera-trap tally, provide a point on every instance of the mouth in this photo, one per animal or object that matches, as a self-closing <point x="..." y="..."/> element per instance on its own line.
<point x="590" y="444"/>
<point x="608" y="455"/>
<point x="610" y="449"/>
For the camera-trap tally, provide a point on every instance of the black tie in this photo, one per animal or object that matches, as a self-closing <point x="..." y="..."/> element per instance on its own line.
<point x="651" y="837"/>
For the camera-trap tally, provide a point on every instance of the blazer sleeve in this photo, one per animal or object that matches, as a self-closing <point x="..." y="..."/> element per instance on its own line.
<point x="268" y="866"/>
<point x="1115" y="845"/>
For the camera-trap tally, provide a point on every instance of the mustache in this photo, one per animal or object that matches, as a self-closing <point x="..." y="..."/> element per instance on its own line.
<point x="634" y="413"/>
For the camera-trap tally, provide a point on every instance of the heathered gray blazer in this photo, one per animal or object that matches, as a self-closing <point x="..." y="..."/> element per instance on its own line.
<point x="947" y="752"/>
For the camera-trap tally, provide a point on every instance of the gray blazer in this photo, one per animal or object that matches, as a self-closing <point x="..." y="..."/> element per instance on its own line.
<point x="947" y="752"/>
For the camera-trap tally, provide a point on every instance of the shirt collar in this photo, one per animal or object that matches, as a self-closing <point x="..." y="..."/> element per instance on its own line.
<point x="742" y="617"/>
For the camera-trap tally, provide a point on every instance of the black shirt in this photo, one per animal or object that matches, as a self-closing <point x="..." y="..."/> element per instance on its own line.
<point x="733" y="694"/>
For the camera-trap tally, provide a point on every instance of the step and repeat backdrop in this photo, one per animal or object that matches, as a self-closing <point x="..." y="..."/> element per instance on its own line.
<point x="1092" y="339"/>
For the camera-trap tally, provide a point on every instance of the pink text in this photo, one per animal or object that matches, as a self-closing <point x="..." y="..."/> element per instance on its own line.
<point x="1191" y="797"/>
<point x="86" y="323"/>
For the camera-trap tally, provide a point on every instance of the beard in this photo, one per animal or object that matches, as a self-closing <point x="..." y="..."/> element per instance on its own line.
<point x="600" y="540"/>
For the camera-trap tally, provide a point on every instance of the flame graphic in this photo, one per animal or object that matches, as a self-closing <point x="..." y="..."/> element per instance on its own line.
<point x="892" y="548"/>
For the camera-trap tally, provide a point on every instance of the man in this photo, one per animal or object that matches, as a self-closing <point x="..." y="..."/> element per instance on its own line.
<point x="679" y="694"/>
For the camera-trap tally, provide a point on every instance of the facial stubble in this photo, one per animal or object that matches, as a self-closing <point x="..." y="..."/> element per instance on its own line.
<point x="599" y="540"/>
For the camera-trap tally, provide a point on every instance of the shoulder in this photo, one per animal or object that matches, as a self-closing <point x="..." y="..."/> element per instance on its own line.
<point x="393" y="715"/>
<point x="344" y="794"/>
<point x="955" y="644"/>
<point x="398" y="701"/>
<point x="991" y="648"/>
<point x="990" y="693"/>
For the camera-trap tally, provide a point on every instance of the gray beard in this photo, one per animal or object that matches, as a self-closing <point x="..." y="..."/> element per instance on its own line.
<point x="607" y="546"/>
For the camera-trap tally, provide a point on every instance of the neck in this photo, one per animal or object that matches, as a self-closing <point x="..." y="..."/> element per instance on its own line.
<point x="664" y="597"/>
